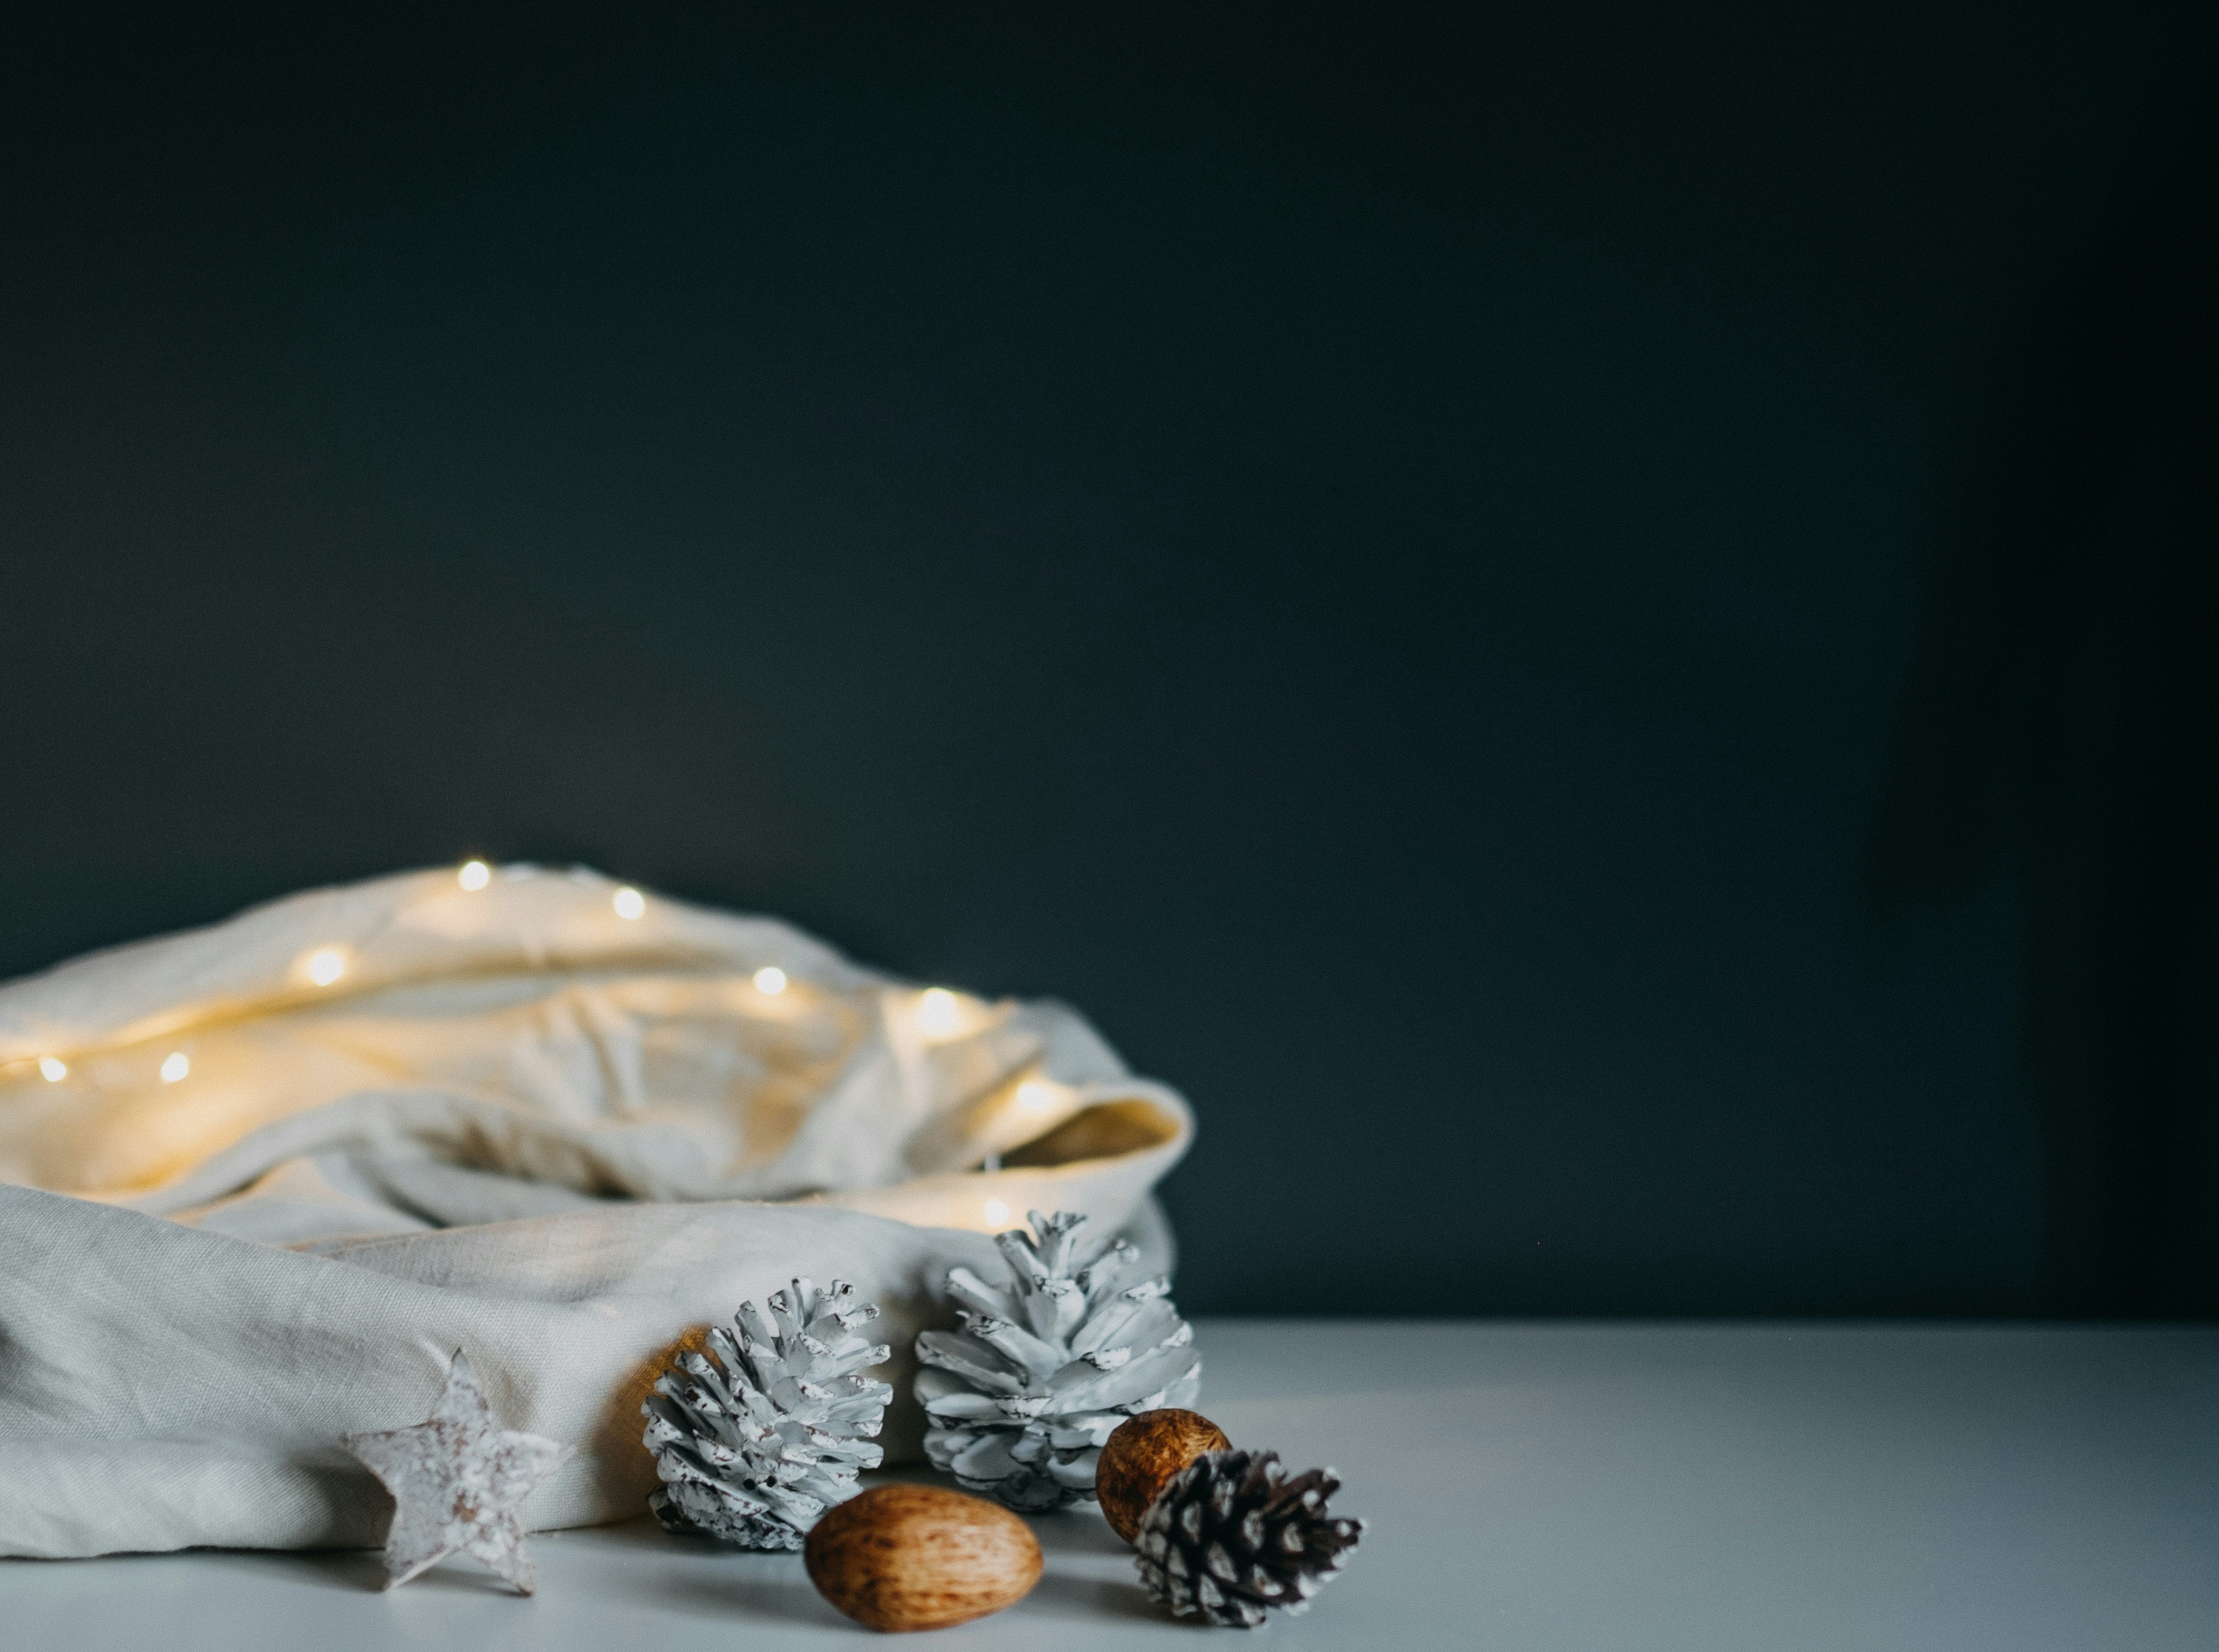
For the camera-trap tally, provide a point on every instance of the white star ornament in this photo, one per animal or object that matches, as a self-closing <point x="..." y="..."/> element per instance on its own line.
<point x="459" y="1480"/>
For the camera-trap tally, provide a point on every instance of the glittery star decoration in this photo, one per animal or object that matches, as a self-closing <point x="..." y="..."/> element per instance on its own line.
<point x="458" y="1479"/>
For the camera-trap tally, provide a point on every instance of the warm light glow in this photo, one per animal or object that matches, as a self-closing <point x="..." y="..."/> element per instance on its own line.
<point x="630" y="902"/>
<point x="770" y="980"/>
<point x="1033" y="1095"/>
<point x="52" y="1069"/>
<point x="325" y="965"/>
<point x="937" y="1013"/>
<point x="996" y="1212"/>
<point x="175" y="1067"/>
<point x="475" y="875"/>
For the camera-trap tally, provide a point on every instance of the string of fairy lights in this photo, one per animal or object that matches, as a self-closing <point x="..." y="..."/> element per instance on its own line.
<point x="939" y="1013"/>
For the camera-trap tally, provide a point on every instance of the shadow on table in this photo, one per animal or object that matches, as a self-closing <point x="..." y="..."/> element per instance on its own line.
<point x="1092" y="1598"/>
<point x="1078" y="1532"/>
<point x="363" y="1570"/>
<point x="790" y="1600"/>
<point x="1089" y="1572"/>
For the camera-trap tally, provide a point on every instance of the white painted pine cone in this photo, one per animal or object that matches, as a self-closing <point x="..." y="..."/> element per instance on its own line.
<point x="1021" y="1398"/>
<point x="754" y="1445"/>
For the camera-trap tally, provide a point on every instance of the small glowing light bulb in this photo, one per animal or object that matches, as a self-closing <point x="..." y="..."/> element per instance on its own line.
<point x="475" y="875"/>
<point x="176" y="1066"/>
<point x="996" y="1212"/>
<point x="770" y="980"/>
<point x="937" y="1013"/>
<point x="52" y="1069"/>
<point x="629" y="902"/>
<point x="325" y="965"/>
<point x="1032" y="1094"/>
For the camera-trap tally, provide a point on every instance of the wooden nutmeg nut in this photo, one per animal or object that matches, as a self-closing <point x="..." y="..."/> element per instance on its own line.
<point x="1140" y="1458"/>
<point x="907" y="1558"/>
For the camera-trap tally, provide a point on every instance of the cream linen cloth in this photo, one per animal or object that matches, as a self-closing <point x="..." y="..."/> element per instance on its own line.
<point x="257" y="1182"/>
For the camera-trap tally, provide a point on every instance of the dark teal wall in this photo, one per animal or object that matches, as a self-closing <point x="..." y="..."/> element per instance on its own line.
<point x="1381" y="561"/>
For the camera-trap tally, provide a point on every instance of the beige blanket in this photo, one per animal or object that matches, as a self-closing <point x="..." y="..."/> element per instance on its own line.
<point x="257" y="1182"/>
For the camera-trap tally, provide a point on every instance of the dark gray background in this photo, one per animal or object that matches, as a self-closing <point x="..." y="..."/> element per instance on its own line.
<point x="1382" y="558"/>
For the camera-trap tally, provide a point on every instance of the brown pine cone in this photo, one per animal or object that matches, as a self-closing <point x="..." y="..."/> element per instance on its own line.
<point x="1231" y="1536"/>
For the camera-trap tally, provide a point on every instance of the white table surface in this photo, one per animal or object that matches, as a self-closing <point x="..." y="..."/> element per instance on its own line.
<point x="1528" y="1487"/>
